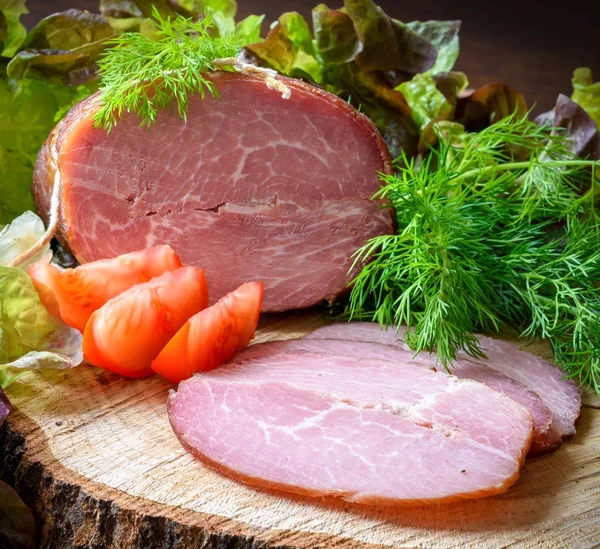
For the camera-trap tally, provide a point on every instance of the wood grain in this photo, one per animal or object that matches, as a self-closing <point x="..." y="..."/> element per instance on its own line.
<point x="94" y="455"/>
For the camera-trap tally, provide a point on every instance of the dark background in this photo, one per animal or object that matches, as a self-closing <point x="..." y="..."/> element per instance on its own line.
<point x="530" y="46"/>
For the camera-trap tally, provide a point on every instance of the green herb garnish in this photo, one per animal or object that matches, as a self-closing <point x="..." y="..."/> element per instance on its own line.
<point x="144" y="74"/>
<point x="494" y="228"/>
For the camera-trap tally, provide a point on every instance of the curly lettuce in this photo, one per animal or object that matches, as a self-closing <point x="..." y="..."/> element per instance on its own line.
<point x="586" y="92"/>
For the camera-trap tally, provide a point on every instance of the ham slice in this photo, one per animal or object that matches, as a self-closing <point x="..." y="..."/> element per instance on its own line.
<point x="369" y="431"/>
<point x="399" y="353"/>
<point x="281" y="188"/>
<point x="554" y="402"/>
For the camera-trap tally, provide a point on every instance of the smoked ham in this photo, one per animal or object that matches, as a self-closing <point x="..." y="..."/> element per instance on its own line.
<point x="369" y="431"/>
<point x="554" y="402"/>
<point x="394" y="353"/>
<point x="252" y="187"/>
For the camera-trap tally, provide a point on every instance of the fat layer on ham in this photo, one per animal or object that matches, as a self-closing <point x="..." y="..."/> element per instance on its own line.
<point x="366" y="430"/>
<point x="251" y="187"/>
<point x="554" y="402"/>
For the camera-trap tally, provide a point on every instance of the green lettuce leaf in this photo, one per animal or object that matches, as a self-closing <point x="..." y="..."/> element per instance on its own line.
<point x="17" y="527"/>
<point x="26" y="118"/>
<point x="336" y="40"/>
<point x="19" y="236"/>
<point x="388" y="45"/>
<point x="586" y="92"/>
<point x="426" y="102"/>
<point x="443" y="35"/>
<point x="65" y="44"/>
<point x="12" y="31"/>
<point x="288" y="48"/>
<point x="30" y="337"/>
<point x="248" y="29"/>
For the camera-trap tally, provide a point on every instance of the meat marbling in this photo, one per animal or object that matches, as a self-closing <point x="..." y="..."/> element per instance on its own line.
<point x="252" y="187"/>
<point x="365" y="430"/>
<point x="554" y="402"/>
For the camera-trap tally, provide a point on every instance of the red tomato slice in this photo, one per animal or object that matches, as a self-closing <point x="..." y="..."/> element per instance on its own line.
<point x="127" y="333"/>
<point x="76" y="293"/>
<point x="212" y="336"/>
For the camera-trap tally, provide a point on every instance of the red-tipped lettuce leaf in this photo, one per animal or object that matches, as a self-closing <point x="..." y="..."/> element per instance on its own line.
<point x="443" y="36"/>
<point x="570" y="119"/>
<point x="388" y="45"/>
<point x="488" y="104"/>
<point x="5" y="407"/>
<point x="65" y="44"/>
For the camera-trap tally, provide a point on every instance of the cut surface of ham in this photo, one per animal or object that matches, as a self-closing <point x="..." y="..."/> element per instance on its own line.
<point x="554" y="402"/>
<point x="370" y="431"/>
<point x="399" y="353"/>
<point x="277" y="190"/>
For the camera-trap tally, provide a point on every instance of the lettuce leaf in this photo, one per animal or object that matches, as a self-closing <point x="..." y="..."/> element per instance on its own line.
<point x="336" y="40"/>
<point x="12" y="31"/>
<point x="19" y="236"/>
<point x="489" y="104"/>
<point x="586" y="92"/>
<point x="288" y="48"/>
<point x="5" y="407"/>
<point x="388" y="44"/>
<point x="65" y="45"/>
<point x="26" y="118"/>
<point x="30" y="337"/>
<point x="17" y="527"/>
<point x="571" y="120"/>
<point x="443" y="35"/>
<point x="248" y="29"/>
<point x="426" y="102"/>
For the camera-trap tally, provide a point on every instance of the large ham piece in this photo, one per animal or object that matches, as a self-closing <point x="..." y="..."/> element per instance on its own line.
<point x="252" y="187"/>
<point x="554" y="402"/>
<point x="371" y="431"/>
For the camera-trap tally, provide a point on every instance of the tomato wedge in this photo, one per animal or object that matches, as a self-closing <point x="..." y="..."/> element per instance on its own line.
<point x="74" y="294"/>
<point x="127" y="333"/>
<point x="212" y="336"/>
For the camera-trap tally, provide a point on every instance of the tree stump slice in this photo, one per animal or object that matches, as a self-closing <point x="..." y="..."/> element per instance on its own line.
<point x="94" y="455"/>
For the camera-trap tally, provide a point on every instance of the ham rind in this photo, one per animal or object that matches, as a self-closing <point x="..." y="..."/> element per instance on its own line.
<point x="558" y="396"/>
<point x="252" y="187"/>
<point x="367" y="431"/>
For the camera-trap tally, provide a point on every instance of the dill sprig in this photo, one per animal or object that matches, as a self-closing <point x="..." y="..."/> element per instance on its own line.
<point x="144" y="74"/>
<point x="495" y="228"/>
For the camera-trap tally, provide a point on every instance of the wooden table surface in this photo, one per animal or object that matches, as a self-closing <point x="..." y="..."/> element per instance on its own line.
<point x="527" y="45"/>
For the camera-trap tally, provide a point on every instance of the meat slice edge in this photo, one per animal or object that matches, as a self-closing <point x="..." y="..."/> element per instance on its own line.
<point x="560" y="396"/>
<point x="475" y="438"/>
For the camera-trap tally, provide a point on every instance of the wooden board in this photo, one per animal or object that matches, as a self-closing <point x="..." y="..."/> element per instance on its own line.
<point x="94" y="455"/>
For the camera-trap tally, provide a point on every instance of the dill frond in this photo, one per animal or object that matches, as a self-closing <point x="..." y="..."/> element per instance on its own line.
<point x="143" y="74"/>
<point x="497" y="228"/>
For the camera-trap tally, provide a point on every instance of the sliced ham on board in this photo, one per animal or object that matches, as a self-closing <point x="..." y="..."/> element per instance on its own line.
<point x="555" y="395"/>
<point x="365" y="430"/>
<point x="252" y="187"/>
<point x="463" y="369"/>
